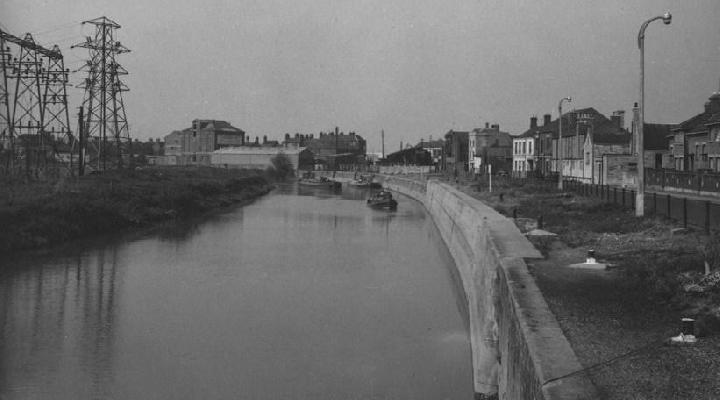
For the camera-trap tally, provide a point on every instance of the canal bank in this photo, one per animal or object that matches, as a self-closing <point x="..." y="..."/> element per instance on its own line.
<point x="518" y="348"/>
<point x="37" y="215"/>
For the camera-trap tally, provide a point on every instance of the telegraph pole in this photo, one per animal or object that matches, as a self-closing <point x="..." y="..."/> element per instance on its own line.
<point x="81" y="146"/>
<point x="382" y="134"/>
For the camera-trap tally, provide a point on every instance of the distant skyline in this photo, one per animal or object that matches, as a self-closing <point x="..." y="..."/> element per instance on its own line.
<point x="414" y="68"/>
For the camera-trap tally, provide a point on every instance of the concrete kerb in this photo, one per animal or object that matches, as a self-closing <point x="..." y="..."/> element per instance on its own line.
<point x="554" y="365"/>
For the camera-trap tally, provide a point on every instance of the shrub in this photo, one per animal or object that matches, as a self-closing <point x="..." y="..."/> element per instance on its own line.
<point x="281" y="166"/>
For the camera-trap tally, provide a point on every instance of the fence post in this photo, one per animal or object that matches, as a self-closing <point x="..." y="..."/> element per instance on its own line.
<point x="699" y="182"/>
<point x="707" y="216"/>
<point x="632" y="202"/>
<point x="668" y="205"/>
<point x="654" y="202"/>
<point x="615" y="195"/>
<point x="684" y="212"/>
<point x="662" y="182"/>
<point x="623" y="198"/>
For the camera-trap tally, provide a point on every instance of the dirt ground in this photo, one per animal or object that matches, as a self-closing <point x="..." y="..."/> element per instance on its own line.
<point x="618" y="320"/>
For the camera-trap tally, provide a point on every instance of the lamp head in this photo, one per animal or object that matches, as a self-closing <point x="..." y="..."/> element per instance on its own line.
<point x="667" y="18"/>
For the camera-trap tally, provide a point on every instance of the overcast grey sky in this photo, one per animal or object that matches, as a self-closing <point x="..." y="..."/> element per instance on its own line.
<point x="412" y="67"/>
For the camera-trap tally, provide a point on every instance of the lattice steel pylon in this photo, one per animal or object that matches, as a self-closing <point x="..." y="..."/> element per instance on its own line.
<point x="55" y="113"/>
<point x="106" y="117"/>
<point x="31" y="88"/>
<point x="27" y="105"/>
<point x="5" y="116"/>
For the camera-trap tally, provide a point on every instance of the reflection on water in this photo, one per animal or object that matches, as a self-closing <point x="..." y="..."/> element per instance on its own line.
<point x="48" y="310"/>
<point x="298" y="295"/>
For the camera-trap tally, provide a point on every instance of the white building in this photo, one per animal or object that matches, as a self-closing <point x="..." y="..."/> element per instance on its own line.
<point x="523" y="153"/>
<point x="259" y="157"/>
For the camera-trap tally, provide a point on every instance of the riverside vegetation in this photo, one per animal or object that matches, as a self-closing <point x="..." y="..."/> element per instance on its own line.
<point x="35" y="214"/>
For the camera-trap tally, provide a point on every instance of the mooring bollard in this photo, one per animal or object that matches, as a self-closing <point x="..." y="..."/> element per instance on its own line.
<point x="687" y="326"/>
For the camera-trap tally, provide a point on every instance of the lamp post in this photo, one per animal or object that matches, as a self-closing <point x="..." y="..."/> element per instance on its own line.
<point x="560" y="153"/>
<point x="640" y="196"/>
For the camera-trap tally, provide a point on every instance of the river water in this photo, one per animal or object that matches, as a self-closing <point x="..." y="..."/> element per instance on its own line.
<point x="302" y="294"/>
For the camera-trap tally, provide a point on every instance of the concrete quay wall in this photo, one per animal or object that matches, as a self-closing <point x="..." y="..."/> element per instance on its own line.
<point x="518" y="348"/>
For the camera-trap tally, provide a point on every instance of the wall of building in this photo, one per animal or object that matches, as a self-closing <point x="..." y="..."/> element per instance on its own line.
<point x="253" y="158"/>
<point x="619" y="170"/>
<point x="517" y="344"/>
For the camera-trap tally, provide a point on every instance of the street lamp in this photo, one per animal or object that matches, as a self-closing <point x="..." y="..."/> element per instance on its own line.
<point x="640" y="196"/>
<point x="560" y="155"/>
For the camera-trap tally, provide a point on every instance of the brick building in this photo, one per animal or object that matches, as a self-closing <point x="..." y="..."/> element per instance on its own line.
<point x="489" y="146"/>
<point x="337" y="148"/>
<point x="587" y="136"/>
<point x="455" y="151"/>
<point x="193" y="145"/>
<point x="695" y="142"/>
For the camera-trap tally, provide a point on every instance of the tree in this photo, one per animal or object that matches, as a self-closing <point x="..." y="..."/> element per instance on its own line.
<point x="281" y="166"/>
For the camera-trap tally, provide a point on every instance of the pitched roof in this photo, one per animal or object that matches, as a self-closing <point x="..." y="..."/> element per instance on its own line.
<point x="608" y="133"/>
<point x="656" y="136"/>
<point x="453" y="132"/>
<point x="430" y="144"/>
<point x="501" y="138"/>
<point x="604" y="130"/>
<point x="694" y="124"/>
<point x="699" y="122"/>
<point x="714" y="120"/>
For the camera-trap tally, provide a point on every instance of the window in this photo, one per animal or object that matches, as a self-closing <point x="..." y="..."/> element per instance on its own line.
<point x="524" y="148"/>
<point x="530" y="149"/>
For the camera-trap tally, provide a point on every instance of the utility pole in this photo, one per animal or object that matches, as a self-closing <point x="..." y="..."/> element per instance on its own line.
<point x="81" y="144"/>
<point x="382" y="135"/>
<point x="560" y="149"/>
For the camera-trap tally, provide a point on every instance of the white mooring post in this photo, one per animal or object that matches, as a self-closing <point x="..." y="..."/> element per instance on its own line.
<point x="490" y="177"/>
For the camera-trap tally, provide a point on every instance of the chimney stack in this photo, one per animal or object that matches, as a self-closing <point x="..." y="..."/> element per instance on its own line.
<point x="618" y="118"/>
<point x="495" y="127"/>
<point x="546" y="119"/>
<point x="487" y="125"/>
<point x="533" y="122"/>
<point x="713" y="105"/>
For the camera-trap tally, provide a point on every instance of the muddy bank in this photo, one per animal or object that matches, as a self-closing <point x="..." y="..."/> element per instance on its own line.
<point x="37" y="214"/>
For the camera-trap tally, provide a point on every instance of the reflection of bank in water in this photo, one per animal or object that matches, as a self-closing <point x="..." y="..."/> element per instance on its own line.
<point x="69" y="305"/>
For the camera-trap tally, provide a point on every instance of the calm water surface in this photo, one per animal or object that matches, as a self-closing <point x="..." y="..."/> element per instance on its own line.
<point x="300" y="295"/>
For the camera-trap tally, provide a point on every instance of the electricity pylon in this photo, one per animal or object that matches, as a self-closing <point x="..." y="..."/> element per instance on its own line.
<point x="105" y="119"/>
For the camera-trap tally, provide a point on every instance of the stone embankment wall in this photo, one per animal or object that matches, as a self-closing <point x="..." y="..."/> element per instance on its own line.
<point x="518" y="348"/>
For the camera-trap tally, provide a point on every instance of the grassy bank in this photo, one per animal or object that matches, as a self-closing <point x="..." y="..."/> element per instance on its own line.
<point x="34" y="215"/>
<point x="619" y="320"/>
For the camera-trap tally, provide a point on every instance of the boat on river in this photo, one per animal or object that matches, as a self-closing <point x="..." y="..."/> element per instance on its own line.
<point x="382" y="199"/>
<point x="309" y="179"/>
<point x="364" y="182"/>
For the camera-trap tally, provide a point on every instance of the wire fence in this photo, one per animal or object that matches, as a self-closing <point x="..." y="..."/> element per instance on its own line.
<point x="700" y="213"/>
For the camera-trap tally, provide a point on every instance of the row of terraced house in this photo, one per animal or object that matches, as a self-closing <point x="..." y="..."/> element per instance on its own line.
<point x="601" y="150"/>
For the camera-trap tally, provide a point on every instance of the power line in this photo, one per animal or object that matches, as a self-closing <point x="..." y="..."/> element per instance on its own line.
<point x="57" y="28"/>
